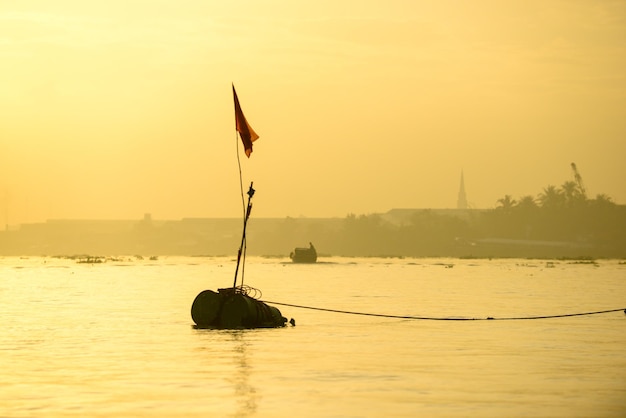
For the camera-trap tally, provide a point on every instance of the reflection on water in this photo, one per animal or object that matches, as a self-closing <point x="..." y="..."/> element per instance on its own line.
<point x="228" y="351"/>
<point x="245" y="393"/>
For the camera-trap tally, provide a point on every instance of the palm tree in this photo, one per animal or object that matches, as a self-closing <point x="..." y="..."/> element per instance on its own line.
<point x="572" y="193"/>
<point x="551" y="197"/>
<point x="603" y="200"/>
<point x="527" y="203"/>
<point x="506" y="203"/>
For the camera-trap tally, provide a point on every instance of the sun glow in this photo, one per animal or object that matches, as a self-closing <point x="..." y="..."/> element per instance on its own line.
<point x="111" y="111"/>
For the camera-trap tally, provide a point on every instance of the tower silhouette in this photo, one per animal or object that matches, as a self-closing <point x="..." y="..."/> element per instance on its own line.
<point x="461" y="202"/>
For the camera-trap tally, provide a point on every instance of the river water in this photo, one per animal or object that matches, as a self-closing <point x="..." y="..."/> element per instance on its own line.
<point x="117" y="339"/>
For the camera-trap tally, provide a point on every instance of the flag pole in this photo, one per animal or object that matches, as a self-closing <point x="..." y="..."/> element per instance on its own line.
<point x="248" y="136"/>
<point x="242" y="246"/>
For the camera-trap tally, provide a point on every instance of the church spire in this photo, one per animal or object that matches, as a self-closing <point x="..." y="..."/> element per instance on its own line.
<point x="461" y="202"/>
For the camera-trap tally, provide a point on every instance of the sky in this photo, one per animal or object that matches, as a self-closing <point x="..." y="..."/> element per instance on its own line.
<point x="110" y="110"/>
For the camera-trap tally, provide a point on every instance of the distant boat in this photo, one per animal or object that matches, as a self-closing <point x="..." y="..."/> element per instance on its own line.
<point x="304" y="255"/>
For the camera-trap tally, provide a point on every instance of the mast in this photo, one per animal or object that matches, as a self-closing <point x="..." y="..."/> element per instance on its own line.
<point x="243" y="237"/>
<point x="248" y="136"/>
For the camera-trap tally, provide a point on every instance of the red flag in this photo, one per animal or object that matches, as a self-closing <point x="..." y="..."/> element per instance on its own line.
<point x="248" y="136"/>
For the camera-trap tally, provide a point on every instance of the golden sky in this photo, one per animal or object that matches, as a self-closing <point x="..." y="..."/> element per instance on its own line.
<point x="112" y="109"/>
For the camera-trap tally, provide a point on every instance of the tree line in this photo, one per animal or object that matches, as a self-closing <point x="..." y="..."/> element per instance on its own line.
<point x="559" y="221"/>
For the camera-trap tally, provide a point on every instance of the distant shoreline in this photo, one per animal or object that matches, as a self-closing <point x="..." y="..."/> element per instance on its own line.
<point x="400" y="233"/>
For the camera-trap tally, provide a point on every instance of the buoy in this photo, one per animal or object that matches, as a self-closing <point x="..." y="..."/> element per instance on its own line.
<point x="232" y="309"/>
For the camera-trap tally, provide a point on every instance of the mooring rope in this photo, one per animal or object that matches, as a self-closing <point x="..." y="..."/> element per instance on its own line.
<point x="427" y="318"/>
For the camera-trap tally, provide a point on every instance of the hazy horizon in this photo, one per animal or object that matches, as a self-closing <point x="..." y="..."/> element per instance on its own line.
<point x="117" y="109"/>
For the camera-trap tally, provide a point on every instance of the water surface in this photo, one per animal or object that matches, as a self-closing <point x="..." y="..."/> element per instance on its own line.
<point x="116" y="339"/>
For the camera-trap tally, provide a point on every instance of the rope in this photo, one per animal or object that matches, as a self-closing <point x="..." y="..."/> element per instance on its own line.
<point x="249" y="291"/>
<point x="448" y="318"/>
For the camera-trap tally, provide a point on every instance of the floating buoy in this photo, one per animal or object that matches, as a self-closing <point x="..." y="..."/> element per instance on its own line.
<point x="231" y="309"/>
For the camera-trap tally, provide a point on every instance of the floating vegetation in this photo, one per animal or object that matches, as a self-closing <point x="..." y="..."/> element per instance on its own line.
<point x="94" y="259"/>
<point x="590" y="262"/>
<point x="82" y="258"/>
<point x="91" y="260"/>
<point x="446" y="265"/>
<point x="579" y="258"/>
